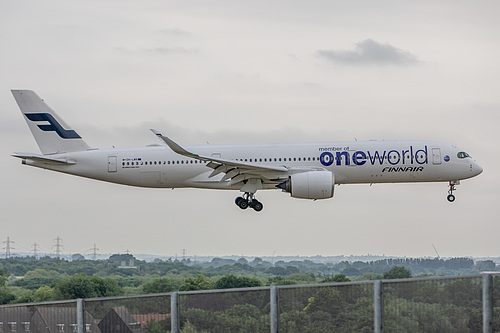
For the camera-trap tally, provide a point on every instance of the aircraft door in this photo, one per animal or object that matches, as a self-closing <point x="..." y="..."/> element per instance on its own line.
<point x="112" y="167"/>
<point x="436" y="156"/>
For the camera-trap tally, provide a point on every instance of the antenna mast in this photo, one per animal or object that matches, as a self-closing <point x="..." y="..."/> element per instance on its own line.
<point x="436" y="251"/>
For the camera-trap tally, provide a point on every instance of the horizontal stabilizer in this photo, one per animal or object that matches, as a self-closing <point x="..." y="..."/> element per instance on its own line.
<point x="43" y="159"/>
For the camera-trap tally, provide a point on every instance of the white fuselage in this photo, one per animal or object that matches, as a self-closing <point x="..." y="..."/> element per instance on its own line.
<point x="351" y="162"/>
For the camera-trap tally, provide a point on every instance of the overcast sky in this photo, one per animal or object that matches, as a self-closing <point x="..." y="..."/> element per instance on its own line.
<point x="254" y="71"/>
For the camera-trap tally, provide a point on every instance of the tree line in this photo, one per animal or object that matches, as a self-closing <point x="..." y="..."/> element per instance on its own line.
<point x="27" y="279"/>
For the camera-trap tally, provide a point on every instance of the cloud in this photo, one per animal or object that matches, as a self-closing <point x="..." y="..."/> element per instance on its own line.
<point x="370" y="52"/>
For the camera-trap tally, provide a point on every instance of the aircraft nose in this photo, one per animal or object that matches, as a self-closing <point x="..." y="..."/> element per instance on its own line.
<point x="476" y="168"/>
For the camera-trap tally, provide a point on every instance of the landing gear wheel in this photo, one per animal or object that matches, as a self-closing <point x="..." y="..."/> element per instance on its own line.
<point x="248" y="200"/>
<point x="450" y="197"/>
<point x="257" y="205"/>
<point x="242" y="203"/>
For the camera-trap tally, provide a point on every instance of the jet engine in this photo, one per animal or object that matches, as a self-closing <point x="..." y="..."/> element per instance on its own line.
<point x="310" y="185"/>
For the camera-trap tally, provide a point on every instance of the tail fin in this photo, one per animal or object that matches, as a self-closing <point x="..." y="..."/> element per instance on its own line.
<point x="52" y="135"/>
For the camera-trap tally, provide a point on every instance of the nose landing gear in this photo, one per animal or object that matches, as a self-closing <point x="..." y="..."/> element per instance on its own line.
<point x="450" y="196"/>
<point x="248" y="200"/>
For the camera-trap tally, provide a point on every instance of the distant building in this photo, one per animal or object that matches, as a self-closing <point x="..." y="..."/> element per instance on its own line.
<point x="119" y="320"/>
<point x="77" y="256"/>
<point x="63" y="319"/>
<point x="53" y="319"/>
<point x="130" y="264"/>
<point x="15" y="320"/>
<point x="60" y="320"/>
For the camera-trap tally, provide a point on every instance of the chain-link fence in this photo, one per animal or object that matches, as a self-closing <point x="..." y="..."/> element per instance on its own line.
<point x="437" y="304"/>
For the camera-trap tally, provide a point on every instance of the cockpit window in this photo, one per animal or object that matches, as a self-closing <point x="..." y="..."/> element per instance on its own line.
<point x="462" y="154"/>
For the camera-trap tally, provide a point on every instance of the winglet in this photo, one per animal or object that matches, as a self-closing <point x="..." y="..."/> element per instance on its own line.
<point x="174" y="146"/>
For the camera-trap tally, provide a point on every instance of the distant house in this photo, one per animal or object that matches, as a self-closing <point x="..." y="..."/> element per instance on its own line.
<point x="77" y="257"/>
<point x="63" y="319"/>
<point x="60" y="320"/>
<point x="15" y="320"/>
<point x="119" y="320"/>
<point x="129" y="266"/>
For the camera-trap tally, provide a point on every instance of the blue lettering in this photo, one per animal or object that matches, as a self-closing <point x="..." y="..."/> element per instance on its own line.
<point x="339" y="157"/>
<point x="359" y="158"/>
<point x="396" y="156"/>
<point x="326" y="159"/>
<point x="376" y="156"/>
<point x="404" y="152"/>
<point x="421" y="159"/>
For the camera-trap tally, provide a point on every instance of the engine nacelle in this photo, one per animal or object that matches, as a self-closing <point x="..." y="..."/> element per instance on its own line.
<point x="310" y="185"/>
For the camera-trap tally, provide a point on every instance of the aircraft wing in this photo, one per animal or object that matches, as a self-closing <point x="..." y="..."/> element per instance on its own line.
<point x="236" y="171"/>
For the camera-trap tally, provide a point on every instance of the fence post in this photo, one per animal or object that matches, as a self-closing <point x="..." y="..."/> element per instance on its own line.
<point x="378" y="299"/>
<point x="175" y="322"/>
<point x="275" y="311"/>
<point x="80" y="318"/>
<point x="487" y="303"/>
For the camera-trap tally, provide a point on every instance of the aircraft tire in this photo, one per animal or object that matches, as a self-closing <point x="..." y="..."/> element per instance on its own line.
<point x="237" y="200"/>
<point x="257" y="205"/>
<point x="243" y="204"/>
<point x="450" y="198"/>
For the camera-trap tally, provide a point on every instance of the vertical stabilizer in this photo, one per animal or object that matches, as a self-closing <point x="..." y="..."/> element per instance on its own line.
<point x="51" y="133"/>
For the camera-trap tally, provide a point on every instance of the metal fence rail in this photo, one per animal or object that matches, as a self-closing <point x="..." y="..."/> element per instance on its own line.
<point x="436" y="304"/>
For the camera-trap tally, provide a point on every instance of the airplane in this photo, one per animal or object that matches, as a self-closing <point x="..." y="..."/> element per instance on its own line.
<point x="305" y="170"/>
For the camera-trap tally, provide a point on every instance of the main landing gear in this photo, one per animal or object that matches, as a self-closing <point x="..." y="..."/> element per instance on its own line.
<point x="248" y="200"/>
<point x="450" y="196"/>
